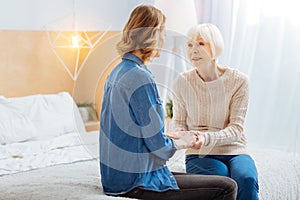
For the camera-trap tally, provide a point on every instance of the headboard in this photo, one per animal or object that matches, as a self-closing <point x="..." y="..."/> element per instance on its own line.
<point x="29" y="66"/>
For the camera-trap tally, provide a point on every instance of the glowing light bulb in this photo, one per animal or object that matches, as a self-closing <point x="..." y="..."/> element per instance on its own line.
<point x="75" y="41"/>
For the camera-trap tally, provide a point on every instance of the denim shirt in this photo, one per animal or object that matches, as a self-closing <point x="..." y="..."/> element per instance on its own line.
<point x="133" y="148"/>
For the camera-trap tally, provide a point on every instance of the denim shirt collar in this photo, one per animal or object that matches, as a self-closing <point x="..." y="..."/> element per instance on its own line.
<point x="137" y="60"/>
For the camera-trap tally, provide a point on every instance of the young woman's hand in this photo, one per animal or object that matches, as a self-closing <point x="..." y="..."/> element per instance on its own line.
<point x="184" y="139"/>
<point x="187" y="139"/>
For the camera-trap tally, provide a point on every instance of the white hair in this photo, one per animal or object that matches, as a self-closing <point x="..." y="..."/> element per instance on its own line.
<point x="211" y="34"/>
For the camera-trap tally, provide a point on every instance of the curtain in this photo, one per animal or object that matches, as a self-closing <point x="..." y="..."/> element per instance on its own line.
<point x="262" y="40"/>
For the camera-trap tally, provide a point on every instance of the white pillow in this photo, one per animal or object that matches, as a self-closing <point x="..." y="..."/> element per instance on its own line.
<point x="3" y="99"/>
<point x="14" y="127"/>
<point x="51" y="114"/>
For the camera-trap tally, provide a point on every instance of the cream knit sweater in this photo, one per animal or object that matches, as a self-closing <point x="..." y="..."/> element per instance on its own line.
<point x="217" y="108"/>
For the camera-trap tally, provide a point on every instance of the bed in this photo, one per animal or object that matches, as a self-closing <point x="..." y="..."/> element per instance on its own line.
<point x="54" y="158"/>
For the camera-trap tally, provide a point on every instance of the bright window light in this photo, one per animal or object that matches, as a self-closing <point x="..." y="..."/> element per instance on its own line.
<point x="281" y="9"/>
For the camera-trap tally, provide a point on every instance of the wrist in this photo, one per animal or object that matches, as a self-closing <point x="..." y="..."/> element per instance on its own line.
<point x="206" y="139"/>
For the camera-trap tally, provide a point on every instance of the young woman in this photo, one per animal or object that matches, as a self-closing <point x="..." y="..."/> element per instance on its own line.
<point x="133" y="147"/>
<point x="212" y="100"/>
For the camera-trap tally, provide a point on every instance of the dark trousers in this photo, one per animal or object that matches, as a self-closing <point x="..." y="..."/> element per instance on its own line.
<point x="192" y="186"/>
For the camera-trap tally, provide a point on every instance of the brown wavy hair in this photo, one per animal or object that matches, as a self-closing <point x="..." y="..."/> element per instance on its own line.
<point x="142" y="31"/>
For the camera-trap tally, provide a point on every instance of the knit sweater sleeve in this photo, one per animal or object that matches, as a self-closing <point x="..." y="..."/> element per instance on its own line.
<point x="179" y="108"/>
<point x="237" y="112"/>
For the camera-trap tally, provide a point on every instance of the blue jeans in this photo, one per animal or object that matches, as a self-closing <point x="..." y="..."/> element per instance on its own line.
<point x="240" y="168"/>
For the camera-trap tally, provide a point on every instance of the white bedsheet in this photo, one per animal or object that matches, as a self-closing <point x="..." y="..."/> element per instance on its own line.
<point x="278" y="174"/>
<point x="18" y="157"/>
<point x="76" y="181"/>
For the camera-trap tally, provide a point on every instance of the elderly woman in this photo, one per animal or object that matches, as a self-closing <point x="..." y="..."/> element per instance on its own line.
<point x="133" y="147"/>
<point x="211" y="100"/>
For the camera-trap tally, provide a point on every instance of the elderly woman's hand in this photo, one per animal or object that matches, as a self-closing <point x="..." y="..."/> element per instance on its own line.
<point x="200" y="139"/>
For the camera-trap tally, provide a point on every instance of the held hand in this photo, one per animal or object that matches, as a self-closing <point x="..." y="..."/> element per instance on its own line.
<point x="200" y="140"/>
<point x="174" y="135"/>
<point x="183" y="139"/>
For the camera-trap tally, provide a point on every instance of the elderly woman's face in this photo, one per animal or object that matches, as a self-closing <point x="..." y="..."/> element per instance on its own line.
<point x="199" y="51"/>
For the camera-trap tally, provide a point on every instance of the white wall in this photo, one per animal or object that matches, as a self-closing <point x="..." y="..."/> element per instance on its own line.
<point x="180" y="15"/>
<point x="58" y="14"/>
